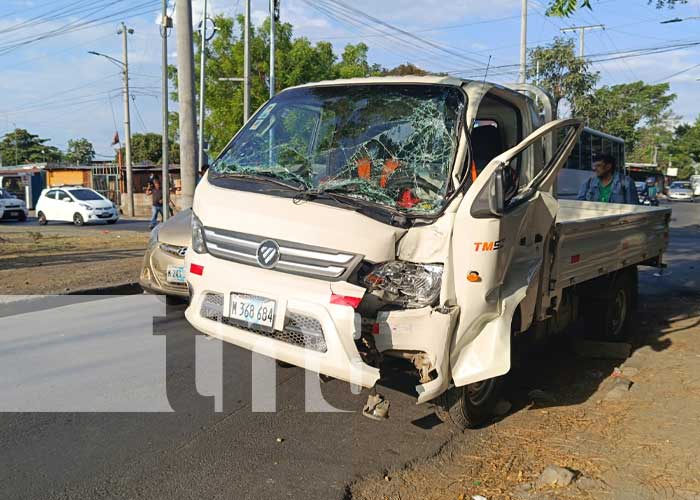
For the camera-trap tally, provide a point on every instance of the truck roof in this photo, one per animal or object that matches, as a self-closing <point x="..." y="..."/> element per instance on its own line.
<point x="409" y="79"/>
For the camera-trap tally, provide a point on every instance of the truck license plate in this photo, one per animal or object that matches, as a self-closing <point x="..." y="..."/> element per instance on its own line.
<point x="250" y="309"/>
<point x="176" y="274"/>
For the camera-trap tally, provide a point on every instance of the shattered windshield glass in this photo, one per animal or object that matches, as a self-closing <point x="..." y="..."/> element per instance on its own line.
<point x="393" y="145"/>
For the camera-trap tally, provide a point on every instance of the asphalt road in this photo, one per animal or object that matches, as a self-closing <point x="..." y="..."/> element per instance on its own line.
<point x="123" y="224"/>
<point x="112" y="408"/>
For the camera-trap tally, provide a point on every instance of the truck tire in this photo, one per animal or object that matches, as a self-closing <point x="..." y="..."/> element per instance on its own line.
<point x="470" y="406"/>
<point x="608" y="318"/>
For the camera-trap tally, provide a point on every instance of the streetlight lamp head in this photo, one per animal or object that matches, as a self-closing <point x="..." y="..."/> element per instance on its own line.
<point x="674" y="20"/>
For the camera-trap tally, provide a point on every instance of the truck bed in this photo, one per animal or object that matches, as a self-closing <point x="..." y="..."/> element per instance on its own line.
<point x="592" y="239"/>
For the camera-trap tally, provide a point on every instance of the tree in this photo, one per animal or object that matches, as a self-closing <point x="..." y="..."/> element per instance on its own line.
<point x="148" y="148"/>
<point x="80" y="151"/>
<point x="20" y="146"/>
<point x="564" y="75"/>
<point x="629" y="110"/>
<point x="297" y="61"/>
<point x="564" y="8"/>
<point x="405" y="69"/>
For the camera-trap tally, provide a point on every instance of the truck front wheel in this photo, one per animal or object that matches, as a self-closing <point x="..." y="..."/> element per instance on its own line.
<point x="470" y="406"/>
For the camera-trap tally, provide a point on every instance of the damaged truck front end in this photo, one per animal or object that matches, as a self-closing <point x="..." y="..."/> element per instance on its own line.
<point x="325" y="235"/>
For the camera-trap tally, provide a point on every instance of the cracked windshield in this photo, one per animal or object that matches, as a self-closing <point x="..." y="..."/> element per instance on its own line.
<point x="387" y="144"/>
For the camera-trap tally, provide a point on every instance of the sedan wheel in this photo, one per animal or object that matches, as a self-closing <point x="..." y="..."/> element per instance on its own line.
<point x="78" y="219"/>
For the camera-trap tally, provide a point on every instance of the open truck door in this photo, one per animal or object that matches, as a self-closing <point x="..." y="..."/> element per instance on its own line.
<point x="500" y="234"/>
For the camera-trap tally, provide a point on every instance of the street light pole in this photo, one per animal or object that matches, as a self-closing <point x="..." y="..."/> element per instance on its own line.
<point x="202" y="63"/>
<point x="246" y="63"/>
<point x="273" y="10"/>
<point x="523" y="42"/>
<point x="166" y="23"/>
<point x="124" y="31"/>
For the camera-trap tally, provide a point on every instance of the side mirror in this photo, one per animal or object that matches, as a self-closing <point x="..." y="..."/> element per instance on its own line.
<point x="496" y="198"/>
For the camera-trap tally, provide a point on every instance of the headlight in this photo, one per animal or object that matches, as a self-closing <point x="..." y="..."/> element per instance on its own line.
<point x="198" y="244"/>
<point x="87" y="207"/>
<point x="405" y="283"/>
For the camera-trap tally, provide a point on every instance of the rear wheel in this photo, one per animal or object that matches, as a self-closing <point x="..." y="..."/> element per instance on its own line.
<point x="470" y="406"/>
<point x="78" y="219"/>
<point x="42" y="219"/>
<point x="608" y="317"/>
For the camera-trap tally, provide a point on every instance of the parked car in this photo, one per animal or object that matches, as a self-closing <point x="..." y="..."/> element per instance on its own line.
<point x="163" y="268"/>
<point x="680" y="191"/>
<point x="12" y="207"/>
<point x="76" y="204"/>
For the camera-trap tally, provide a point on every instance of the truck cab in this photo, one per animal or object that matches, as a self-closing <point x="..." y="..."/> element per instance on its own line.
<point x="353" y="220"/>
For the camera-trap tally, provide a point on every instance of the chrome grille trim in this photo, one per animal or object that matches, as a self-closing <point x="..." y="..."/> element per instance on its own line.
<point x="174" y="250"/>
<point x="295" y="258"/>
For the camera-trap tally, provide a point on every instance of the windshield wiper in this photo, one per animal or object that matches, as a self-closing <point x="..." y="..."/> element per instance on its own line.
<point x="264" y="176"/>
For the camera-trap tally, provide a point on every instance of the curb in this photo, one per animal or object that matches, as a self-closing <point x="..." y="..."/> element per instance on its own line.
<point x="131" y="288"/>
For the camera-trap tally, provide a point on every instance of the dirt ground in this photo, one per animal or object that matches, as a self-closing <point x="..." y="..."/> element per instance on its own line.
<point x="640" y="443"/>
<point x="62" y="259"/>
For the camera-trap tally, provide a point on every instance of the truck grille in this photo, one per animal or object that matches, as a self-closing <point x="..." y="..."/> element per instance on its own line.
<point x="294" y="258"/>
<point x="299" y="329"/>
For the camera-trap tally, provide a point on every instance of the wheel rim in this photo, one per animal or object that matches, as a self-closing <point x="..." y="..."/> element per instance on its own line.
<point x="77" y="219"/>
<point x="619" y="313"/>
<point x="478" y="392"/>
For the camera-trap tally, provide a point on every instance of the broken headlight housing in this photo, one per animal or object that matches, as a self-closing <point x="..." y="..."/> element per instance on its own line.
<point x="198" y="244"/>
<point x="404" y="283"/>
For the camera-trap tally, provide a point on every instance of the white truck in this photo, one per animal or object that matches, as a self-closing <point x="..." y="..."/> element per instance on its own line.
<point x="412" y="217"/>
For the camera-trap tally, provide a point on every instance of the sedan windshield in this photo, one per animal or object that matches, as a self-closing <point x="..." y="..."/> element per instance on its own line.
<point x="680" y="185"/>
<point x="85" y="195"/>
<point x="393" y="145"/>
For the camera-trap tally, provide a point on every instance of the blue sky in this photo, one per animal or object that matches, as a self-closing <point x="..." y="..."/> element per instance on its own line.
<point x="53" y="87"/>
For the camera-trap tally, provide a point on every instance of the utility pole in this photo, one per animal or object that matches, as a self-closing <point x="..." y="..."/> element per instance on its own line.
<point x="124" y="31"/>
<point x="273" y="18"/>
<point x="165" y="23"/>
<point x="202" y="63"/>
<point x="246" y="63"/>
<point x="582" y="35"/>
<point x="523" y="42"/>
<point x="185" y="80"/>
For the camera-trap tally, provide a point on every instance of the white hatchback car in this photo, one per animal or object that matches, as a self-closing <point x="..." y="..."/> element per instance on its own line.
<point x="76" y="204"/>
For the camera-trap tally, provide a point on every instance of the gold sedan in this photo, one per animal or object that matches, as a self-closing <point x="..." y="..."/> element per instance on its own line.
<point x="163" y="269"/>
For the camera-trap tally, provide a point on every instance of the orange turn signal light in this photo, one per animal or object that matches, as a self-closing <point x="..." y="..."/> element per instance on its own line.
<point x="473" y="277"/>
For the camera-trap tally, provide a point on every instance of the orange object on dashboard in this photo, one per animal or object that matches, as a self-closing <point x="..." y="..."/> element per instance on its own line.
<point x="475" y="174"/>
<point x="364" y="168"/>
<point x="389" y="166"/>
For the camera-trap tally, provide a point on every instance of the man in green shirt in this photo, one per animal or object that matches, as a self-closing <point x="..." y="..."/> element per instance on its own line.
<point x="608" y="185"/>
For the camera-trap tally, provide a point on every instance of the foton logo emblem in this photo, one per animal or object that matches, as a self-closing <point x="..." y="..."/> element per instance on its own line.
<point x="488" y="246"/>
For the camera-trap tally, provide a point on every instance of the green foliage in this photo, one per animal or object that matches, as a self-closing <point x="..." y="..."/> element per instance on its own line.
<point x="684" y="149"/>
<point x="20" y="146"/>
<point x="564" y="8"/>
<point x="79" y="151"/>
<point x="147" y="148"/>
<point x="629" y="110"/>
<point x="298" y="61"/>
<point x="558" y="69"/>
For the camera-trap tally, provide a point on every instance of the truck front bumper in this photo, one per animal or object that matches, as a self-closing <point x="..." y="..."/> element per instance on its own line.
<point x="308" y="330"/>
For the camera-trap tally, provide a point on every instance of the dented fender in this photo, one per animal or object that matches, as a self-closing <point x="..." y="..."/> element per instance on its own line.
<point x="425" y="330"/>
